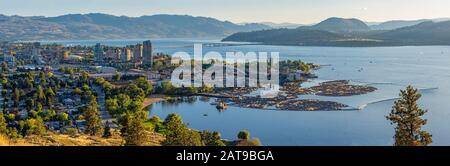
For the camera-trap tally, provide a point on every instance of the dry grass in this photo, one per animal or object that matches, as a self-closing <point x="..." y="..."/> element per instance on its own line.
<point x="80" y="140"/>
<point x="5" y="141"/>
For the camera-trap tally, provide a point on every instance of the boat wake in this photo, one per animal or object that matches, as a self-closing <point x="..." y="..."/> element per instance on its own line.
<point x="421" y="90"/>
<point x="361" y="107"/>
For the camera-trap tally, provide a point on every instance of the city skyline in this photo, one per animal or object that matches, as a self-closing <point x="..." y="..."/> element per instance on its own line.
<point x="238" y="11"/>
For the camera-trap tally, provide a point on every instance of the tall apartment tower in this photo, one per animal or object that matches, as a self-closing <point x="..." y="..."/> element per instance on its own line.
<point x="125" y="55"/>
<point x="98" y="52"/>
<point x="147" y="53"/>
<point x="36" y="49"/>
<point x="138" y="51"/>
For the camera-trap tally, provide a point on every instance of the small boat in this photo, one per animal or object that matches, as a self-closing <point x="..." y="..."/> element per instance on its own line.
<point x="221" y="105"/>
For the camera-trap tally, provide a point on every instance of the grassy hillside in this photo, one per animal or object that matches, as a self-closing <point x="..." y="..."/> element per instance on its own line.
<point x="52" y="139"/>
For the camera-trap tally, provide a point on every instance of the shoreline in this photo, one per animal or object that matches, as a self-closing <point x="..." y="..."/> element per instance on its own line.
<point x="288" y="98"/>
<point x="152" y="99"/>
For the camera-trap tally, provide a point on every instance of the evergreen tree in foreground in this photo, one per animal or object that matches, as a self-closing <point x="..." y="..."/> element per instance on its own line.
<point x="3" y="125"/>
<point x="178" y="134"/>
<point x="107" y="131"/>
<point x="407" y="116"/>
<point x="134" y="131"/>
<point x="92" y="116"/>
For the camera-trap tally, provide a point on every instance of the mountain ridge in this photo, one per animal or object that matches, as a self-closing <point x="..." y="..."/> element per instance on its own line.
<point x="425" y="33"/>
<point x="104" y="26"/>
<point x="340" y="25"/>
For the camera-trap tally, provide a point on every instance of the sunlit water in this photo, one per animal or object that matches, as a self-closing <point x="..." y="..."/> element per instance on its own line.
<point x="387" y="68"/>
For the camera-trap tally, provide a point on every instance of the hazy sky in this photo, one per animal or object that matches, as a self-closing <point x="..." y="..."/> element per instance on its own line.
<point x="295" y="11"/>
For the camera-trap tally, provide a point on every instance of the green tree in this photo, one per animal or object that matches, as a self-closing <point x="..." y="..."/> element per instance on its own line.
<point x="40" y="94"/>
<point x="42" y="78"/>
<point x="191" y="90"/>
<point x="211" y="139"/>
<point x="207" y="89"/>
<point x="32" y="127"/>
<point x="107" y="131"/>
<point x="244" y="135"/>
<point x="77" y="91"/>
<point x="167" y="87"/>
<point x="407" y="118"/>
<point x="135" y="92"/>
<point x="100" y="80"/>
<point x="112" y="106"/>
<point x="92" y="117"/>
<point x="4" y="81"/>
<point x="50" y="74"/>
<point x="29" y="83"/>
<point x="48" y="115"/>
<point x="17" y="95"/>
<point x="134" y="131"/>
<point x="10" y="117"/>
<point x="116" y="77"/>
<point x="157" y="123"/>
<point x="39" y="107"/>
<point x="33" y="114"/>
<point x="50" y="95"/>
<point x="3" y="124"/>
<point x="12" y="133"/>
<point x="84" y="76"/>
<point x="30" y="103"/>
<point x="142" y="83"/>
<point x="305" y="67"/>
<point x="158" y="65"/>
<point x="119" y="105"/>
<point x="178" y="134"/>
<point x="63" y="118"/>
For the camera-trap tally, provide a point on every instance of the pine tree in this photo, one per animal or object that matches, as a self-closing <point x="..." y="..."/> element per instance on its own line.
<point x="178" y="134"/>
<point x="40" y="94"/>
<point x="3" y="125"/>
<point x="134" y="131"/>
<point x="211" y="138"/>
<point x="92" y="116"/>
<point x="107" y="131"/>
<point x="406" y="115"/>
<point x="17" y="96"/>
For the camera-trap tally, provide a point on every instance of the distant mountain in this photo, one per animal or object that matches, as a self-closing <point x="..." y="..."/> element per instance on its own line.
<point x="440" y="19"/>
<point x="395" y="24"/>
<point x="282" y="25"/>
<point x="341" y="25"/>
<point x="103" y="26"/>
<point x="286" y="36"/>
<point x="425" y="33"/>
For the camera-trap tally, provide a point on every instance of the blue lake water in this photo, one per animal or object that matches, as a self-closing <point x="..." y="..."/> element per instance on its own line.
<point x="387" y="68"/>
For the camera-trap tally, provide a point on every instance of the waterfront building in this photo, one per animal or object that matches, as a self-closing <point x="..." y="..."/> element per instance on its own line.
<point x="148" y="53"/>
